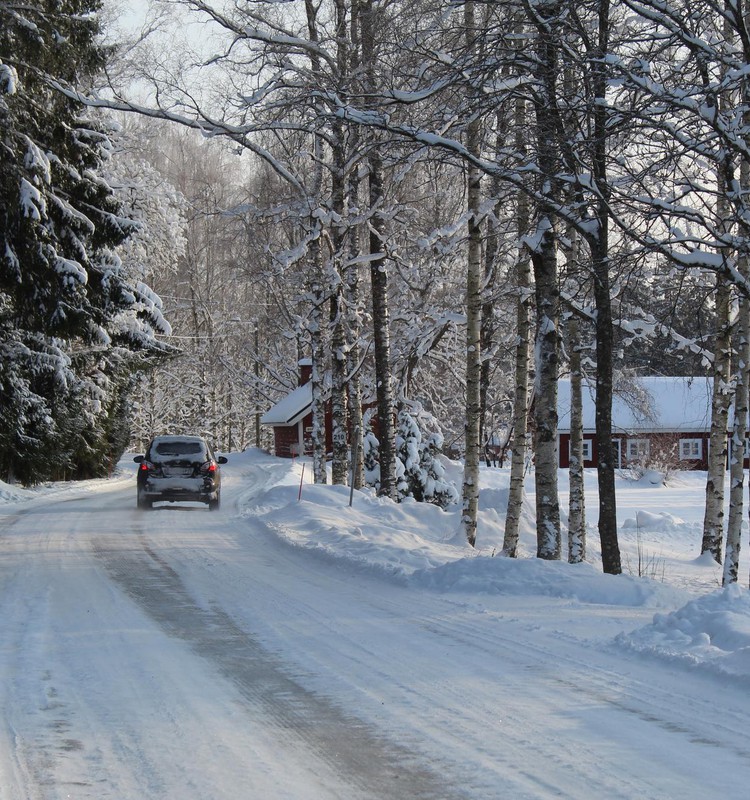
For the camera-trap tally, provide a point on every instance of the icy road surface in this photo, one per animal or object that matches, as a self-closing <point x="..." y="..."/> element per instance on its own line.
<point x="189" y="655"/>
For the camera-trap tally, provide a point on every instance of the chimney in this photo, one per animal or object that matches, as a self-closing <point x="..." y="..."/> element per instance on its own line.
<point x="305" y="370"/>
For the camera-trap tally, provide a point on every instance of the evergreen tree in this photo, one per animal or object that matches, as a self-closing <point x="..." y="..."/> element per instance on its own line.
<point x="422" y="476"/>
<point x="70" y="320"/>
<point x="371" y="454"/>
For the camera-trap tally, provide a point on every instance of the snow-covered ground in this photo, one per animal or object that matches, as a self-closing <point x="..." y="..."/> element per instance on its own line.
<point x="292" y="646"/>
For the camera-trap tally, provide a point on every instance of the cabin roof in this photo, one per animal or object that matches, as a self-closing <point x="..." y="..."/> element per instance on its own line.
<point x="646" y="405"/>
<point x="290" y="409"/>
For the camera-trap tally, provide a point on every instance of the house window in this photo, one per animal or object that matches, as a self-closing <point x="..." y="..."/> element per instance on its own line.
<point x="637" y="449"/>
<point x="691" y="449"/>
<point x="585" y="450"/>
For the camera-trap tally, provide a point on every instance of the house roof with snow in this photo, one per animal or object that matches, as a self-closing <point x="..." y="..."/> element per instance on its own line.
<point x="290" y="409"/>
<point x="646" y="405"/>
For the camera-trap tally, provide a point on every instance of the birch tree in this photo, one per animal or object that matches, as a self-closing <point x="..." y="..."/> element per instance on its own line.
<point x="543" y="248"/>
<point x="577" y="504"/>
<point x="473" y="323"/>
<point x="519" y="447"/>
<point x="738" y="443"/>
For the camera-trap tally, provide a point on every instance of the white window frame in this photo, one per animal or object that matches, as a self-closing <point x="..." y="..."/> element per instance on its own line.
<point x="638" y="449"/>
<point x="691" y="449"/>
<point x="587" y="449"/>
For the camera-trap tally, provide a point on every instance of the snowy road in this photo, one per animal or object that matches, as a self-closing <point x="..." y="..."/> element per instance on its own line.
<point x="193" y="655"/>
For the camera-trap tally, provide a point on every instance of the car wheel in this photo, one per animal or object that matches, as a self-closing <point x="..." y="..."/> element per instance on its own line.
<point x="144" y="503"/>
<point x="213" y="505"/>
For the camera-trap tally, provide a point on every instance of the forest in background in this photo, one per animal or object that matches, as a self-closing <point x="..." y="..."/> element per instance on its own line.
<point x="447" y="206"/>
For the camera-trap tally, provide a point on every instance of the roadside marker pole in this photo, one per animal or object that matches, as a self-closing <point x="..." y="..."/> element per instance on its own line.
<point x="299" y="496"/>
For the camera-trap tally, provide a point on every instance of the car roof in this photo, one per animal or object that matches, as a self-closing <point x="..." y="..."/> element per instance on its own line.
<point x="176" y="438"/>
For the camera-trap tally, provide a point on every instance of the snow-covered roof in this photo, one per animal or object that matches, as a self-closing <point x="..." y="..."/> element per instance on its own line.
<point x="290" y="409"/>
<point x="646" y="405"/>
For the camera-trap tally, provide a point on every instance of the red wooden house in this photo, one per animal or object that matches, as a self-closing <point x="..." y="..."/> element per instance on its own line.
<point x="661" y="419"/>
<point x="291" y="418"/>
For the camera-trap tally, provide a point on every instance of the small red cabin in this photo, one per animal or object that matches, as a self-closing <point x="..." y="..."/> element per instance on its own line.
<point x="666" y="419"/>
<point x="291" y="418"/>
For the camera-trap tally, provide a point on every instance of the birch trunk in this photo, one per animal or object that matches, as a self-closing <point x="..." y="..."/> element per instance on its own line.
<point x="339" y="349"/>
<point x="353" y="303"/>
<point x="519" y="445"/>
<point x="489" y="325"/>
<point x="739" y="432"/>
<point x="318" y="436"/>
<point x="317" y="325"/>
<point x="544" y="261"/>
<point x="378" y="268"/>
<point x="340" y="361"/>
<point x="577" y="504"/>
<point x="470" y="494"/>
<point x="339" y="405"/>
<point x="741" y="403"/>
<point x="521" y="372"/>
<point x="381" y="333"/>
<point x="713" y="520"/>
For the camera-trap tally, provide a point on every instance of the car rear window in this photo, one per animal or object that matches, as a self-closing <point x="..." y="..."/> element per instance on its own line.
<point x="179" y="448"/>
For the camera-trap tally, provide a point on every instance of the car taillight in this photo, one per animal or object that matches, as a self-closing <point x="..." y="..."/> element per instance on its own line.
<point x="209" y="468"/>
<point x="146" y="466"/>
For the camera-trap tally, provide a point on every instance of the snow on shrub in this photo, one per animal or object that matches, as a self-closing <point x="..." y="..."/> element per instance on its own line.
<point x="423" y="474"/>
<point x="420" y="474"/>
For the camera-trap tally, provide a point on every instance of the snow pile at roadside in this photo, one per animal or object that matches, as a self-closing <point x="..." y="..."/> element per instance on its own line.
<point x="422" y="543"/>
<point x="661" y="521"/>
<point x="419" y="543"/>
<point x="12" y="494"/>
<point x="532" y="576"/>
<point x="711" y="631"/>
<point x="396" y="538"/>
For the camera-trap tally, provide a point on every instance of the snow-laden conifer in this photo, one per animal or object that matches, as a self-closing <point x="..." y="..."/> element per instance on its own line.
<point x="67" y="359"/>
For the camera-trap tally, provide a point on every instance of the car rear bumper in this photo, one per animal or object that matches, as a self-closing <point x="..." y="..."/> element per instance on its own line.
<point x="176" y="489"/>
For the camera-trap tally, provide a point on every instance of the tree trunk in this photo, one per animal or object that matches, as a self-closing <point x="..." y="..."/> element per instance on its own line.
<point x="317" y="327"/>
<point x="339" y="350"/>
<point x="352" y="290"/>
<point x="739" y="431"/>
<point x="544" y="261"/>
<point x="470" y="493"/>
<point x="489" y="324"/>
<point x="599" y="244"/>
<point x="713" y="520"/>
<point x="577" y="504"/>
<point x="521" y="372"/>
<point x="339" y="406"/>
<point x="340" y="362"/>
<point x="741" y="403"/>
<point x="378" y="270"/>
<point x="381" y="334"/>
<point x="353" y="302"/>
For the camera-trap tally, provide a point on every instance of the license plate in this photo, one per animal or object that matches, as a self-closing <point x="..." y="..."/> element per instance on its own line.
<point x="178" y="472"/>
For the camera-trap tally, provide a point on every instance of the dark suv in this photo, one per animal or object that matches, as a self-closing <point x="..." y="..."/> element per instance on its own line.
<point x="179" y="468"/>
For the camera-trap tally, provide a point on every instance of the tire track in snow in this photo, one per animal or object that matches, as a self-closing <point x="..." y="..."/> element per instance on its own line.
<point x="537" y="684"/>
<point x="366" y="761"/>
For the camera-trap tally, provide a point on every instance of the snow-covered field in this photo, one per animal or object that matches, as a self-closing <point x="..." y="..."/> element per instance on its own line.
<point x="292" y="646"/>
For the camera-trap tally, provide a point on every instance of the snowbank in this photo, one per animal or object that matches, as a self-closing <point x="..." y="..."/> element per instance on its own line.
<point x="419" y="543"/>
<point x="532" y="576"/>
<point x="710" y="632"/>
<point x="13" y="494"/>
